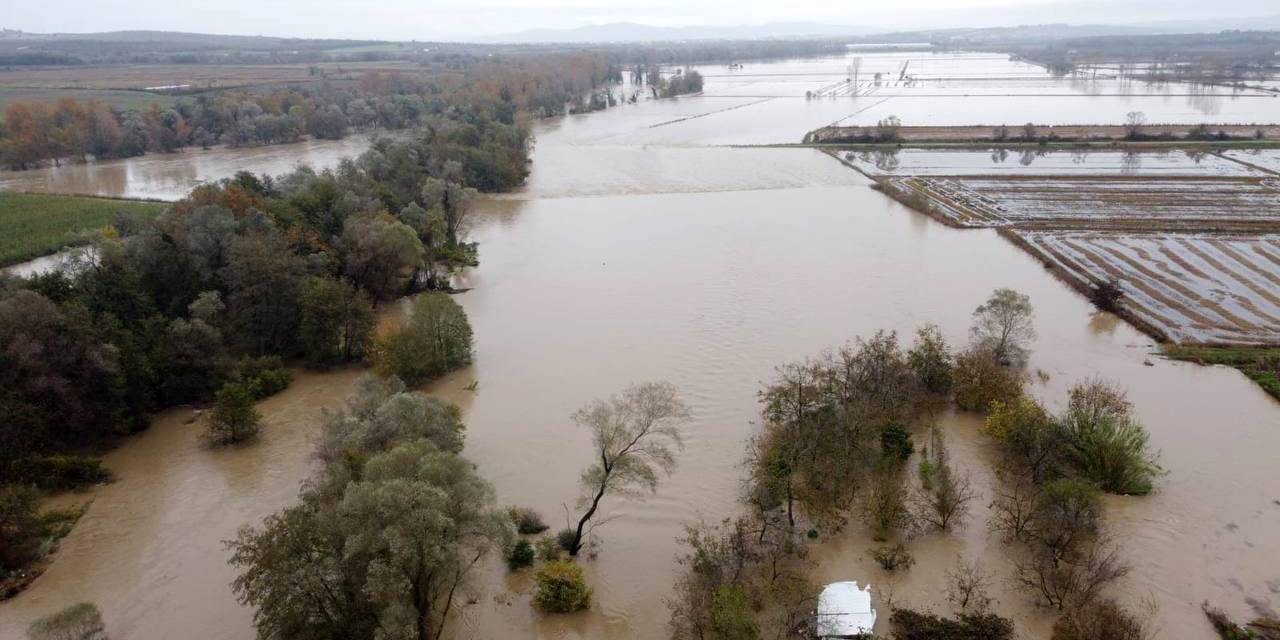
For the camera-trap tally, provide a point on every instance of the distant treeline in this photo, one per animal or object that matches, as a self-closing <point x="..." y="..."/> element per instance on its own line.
<point x="1217" y="57"/>
<point x="36" y="132"/>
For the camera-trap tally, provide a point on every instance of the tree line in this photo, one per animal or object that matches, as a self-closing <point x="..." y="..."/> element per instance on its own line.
<point x="34" y="132"/>
<point x="210" y="300"/>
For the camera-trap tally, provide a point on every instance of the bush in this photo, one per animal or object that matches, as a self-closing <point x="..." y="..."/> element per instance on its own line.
<point x="565" y="539"/>
<point x="527" y="521"/>
<point x="549" y="549"/>
<point x="561" y="588"/>
<point x="893" y="558"/>
<point x="980" y="380"/>
<point x="233" y="418"/>
<point x="1110" y="446"/>
<point x="895" y="443"/>
<point x="21" y="530"/>
<point x="62" y="472"/>
<point x="263" y="376"/>
<point x="77" y="622"/>
<point x="913" y="625"/>
<point x="521" y="555"/>
<point x="732" y="617"/>
<point x="1106" y="620"/>
<point x="435" y="341"/>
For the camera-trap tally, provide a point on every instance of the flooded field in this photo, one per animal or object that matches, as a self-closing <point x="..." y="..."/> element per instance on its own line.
<point x="1101" y="201"/>
<point x="930" y="162"/>
<point x="170" y="176"/>
<point x="639" y="251"/>
<point x="1192" y="288"/>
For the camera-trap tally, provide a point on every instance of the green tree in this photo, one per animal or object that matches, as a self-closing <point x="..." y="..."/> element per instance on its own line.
<point x="264" y="278"/>
<point x="1109" y="445"/>
<point x="337" y="321"/>
<point x="931" y="360"/>
<point x="380" y="254"/>
<point x="233" y="418"/>
<point x="435" y="341"/>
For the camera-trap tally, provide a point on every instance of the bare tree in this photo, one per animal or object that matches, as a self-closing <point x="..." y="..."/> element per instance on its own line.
<point x="945" y="502"/>
<point x="1133" y="123"/>
<point x="1013" y="507"/>
<point x="1073" y="581"/>
<point x="1003" y="325"/>
<point x="968" y="586"/>
<point x="635" y="437"/>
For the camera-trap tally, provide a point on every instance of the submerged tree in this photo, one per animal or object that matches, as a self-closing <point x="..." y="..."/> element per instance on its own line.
<point x="635" y="437"/>
<point x="1003" y="326"/>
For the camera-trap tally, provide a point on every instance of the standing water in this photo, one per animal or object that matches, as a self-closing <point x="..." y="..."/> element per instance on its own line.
<point x="636" y="253"/>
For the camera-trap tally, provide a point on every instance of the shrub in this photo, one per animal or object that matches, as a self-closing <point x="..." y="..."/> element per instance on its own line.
<point x="77" y="622"/>
<point x="561" y="588"/>
<point x="62" y="472"/>
<point x="521" y="555"/>
<point x="233" y="418"/>
<point x="893" y="558"/>
<point x="1110" y="446"/>
<point x="1106" y="620"/>
<point x="549" y="549"/>
<point x="435" y="341"/>
<point x="21" y="530"/>
<point x="1106" y="295"/>
<point x="895" y="443"/>
<point x="565" y="539"/>
<point x="980" y="380"/>
<point x="914" y="625"/>
<point x="264" y="376"/>
<point x="527" y="521"/>
<point x="732" y="617"/>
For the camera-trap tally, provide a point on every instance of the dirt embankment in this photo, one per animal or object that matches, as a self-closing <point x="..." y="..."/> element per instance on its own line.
<point x="1043" y="133"/>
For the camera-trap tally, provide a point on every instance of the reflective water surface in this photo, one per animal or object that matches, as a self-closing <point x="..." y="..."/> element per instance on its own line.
<point x="629" y="259"/>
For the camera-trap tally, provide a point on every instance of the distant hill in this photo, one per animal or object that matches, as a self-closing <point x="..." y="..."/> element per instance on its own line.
<point x="633" y="32"/>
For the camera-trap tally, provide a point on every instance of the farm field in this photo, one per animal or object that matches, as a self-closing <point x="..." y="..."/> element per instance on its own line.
<point x="122" y="99"/>
<point x="1265" y="159"/>
<point x="1191" y="288"/>
<point x="996" y="161"/>
<point x="33" y="225"/>
<point x="1099" y="202"/>
<point x="177" y="75"/>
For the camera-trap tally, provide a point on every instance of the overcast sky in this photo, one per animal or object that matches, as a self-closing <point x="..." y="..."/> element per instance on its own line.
<point x="460" y="19"/>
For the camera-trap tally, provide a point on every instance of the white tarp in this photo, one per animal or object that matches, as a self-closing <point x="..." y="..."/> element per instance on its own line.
<point x="844" y="611"/>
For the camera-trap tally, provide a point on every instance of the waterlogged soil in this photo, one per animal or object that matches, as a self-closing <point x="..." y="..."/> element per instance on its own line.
<point x="610" y="268"/>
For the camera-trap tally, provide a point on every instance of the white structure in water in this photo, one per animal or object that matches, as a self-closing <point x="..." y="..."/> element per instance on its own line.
<point x="844" y="611"/>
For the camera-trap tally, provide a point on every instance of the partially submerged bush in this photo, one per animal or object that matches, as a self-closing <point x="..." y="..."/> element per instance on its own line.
<point x="914" y="625"/>
<point x="264" y="376"/>
<point x="435" y="341"/>
<point x="1105" y="620"/>
<point x="549" y="549"/>
<point x="21" y="530"/>
<point x="61" y="472"/>
<point x="895" y="443"/>
<point x="565" y="539"/>
<point x="1110" y="445"/>
<point x="77" y="622"/>
<point x="527" y="521"/>
<point x="561" y="588"/>
<point x="521" y="555"/>
<point x="980" y="380"/>
<point x="233" y="418"/>
<point x="893" y="558"/>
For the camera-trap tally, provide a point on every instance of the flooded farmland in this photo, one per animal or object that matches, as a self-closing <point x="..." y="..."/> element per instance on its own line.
<point x="642" y="250"/>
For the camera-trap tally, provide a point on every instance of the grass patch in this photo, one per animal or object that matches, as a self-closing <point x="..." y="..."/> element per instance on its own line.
<point x="34" y="225"/>
<point x="120" y="99"/>
<point x="1260" y="364"/>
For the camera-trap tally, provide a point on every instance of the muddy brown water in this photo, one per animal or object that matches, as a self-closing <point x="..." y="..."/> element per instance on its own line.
<point x="704" y="266"/>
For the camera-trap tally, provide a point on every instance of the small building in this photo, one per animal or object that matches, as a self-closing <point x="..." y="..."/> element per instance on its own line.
<point x="844" y="611"/>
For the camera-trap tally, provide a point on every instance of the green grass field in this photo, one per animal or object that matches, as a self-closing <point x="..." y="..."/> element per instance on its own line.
<point x="1261" y="364"/>
<point x="139" y="100"/>
<point x="34" y="225"/>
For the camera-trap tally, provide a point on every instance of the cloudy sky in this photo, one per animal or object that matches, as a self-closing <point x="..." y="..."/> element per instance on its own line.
<point x="460" y="19"/>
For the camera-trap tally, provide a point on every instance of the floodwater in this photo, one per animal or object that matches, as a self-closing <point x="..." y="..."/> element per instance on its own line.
<point x="170" y="176"/>
<point x="613" y="266"/>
